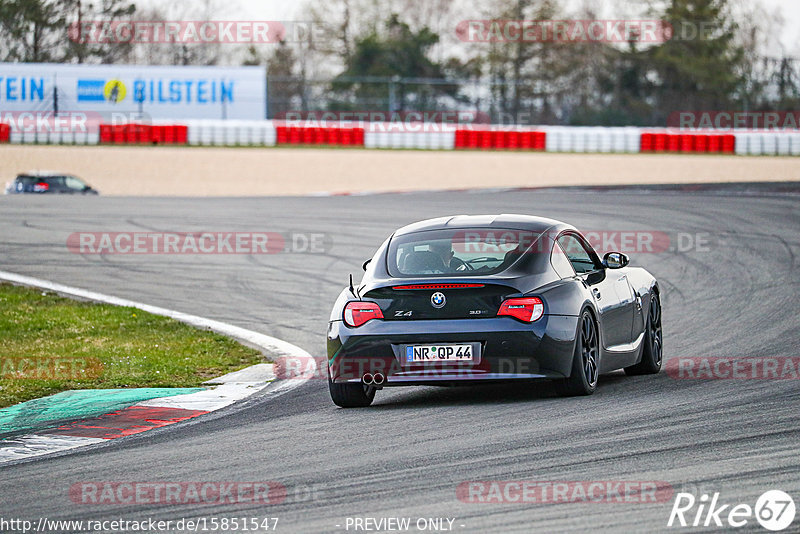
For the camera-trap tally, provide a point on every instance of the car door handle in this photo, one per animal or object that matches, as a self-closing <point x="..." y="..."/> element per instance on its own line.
<point x="596" y="293"/>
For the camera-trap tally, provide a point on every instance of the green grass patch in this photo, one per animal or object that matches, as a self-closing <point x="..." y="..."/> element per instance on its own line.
<point x="50" y="344"/>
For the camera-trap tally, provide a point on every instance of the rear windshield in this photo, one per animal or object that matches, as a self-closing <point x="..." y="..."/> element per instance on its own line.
<point x="462" y="252"/>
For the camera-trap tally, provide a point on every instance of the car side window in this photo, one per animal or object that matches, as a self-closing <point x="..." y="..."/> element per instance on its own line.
<point x="73" y="183"/>
<point x="559" y="261"/>
<point x="580" y="258"/>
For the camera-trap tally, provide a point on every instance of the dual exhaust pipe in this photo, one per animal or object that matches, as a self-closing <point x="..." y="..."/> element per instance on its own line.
<point x="370" y="379"/>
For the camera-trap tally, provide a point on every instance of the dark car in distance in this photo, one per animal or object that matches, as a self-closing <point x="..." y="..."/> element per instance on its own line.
<point x="43" y="182"/>
<point x="484" y="299"/>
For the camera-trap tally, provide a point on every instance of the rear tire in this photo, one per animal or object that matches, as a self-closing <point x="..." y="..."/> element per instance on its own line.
<point x="585" y="360"/>
<point x="653" y="344"/>
<point x="350" y="395"/>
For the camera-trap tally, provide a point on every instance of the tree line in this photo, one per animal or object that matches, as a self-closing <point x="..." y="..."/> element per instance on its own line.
<point x="412" y="55"/>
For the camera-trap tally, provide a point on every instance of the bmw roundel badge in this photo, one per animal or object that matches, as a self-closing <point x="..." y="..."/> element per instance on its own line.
<point x="438" y="300"/>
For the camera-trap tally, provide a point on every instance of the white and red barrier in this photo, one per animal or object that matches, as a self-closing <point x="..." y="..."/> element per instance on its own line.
<point x="499" y="138"/>
<point x="757" y="143"/>
<point x="592" y="139"/>
<point x="143" y="134"/>
<point x="230" y="133"/>
<point x="419" y="137"/>
<point x="49" y="137"/>
<point x="669" y="141"/>
<point x="380" y="135"/>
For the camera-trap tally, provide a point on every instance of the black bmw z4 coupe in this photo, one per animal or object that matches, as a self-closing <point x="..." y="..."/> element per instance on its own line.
<point x="477" y="299"/>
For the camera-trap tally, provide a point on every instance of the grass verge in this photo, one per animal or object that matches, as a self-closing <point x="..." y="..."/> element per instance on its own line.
<point x="50" y="344"/>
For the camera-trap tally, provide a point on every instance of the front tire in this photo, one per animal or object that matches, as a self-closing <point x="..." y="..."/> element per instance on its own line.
<point x="585" y="370"/>
<point x="349" y="395"/>
<point x="652" y="351"/>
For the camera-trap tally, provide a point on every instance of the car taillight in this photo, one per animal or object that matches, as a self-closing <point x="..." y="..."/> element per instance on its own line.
<point x="526" y="309"/>
<point x="358" y="313"/>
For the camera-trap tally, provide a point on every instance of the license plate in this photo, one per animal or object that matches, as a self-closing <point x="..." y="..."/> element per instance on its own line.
<point x="438" y="353"/>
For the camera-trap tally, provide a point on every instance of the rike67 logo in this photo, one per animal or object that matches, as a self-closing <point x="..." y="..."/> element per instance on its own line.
<point x="774" y="510"/>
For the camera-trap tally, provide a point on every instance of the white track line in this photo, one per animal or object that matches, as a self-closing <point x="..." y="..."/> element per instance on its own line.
<point x="31" y="445"/>
<point x="241" y="385"/>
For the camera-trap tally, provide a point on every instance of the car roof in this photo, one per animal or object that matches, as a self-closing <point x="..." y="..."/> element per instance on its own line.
<point x="44" y="174"/>
<point x="503" y="221"/>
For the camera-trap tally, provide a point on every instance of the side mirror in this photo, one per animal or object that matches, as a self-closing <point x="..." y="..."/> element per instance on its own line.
<point x="615" y="260"/>
<point x="364" y="266"/>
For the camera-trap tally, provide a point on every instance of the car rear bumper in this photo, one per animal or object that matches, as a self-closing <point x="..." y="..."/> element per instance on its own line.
<point x="508" y="350"/>
<point x="449" y="378"/>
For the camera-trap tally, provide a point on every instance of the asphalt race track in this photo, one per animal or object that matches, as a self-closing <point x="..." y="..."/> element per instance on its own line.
<point x="735" y="296"/>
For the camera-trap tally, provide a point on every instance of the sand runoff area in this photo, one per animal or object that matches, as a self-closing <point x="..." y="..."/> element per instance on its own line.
<point x="225" y="171"/>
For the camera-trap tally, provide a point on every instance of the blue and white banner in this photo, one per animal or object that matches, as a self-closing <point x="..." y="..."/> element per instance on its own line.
<point x="155" y="92"/>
